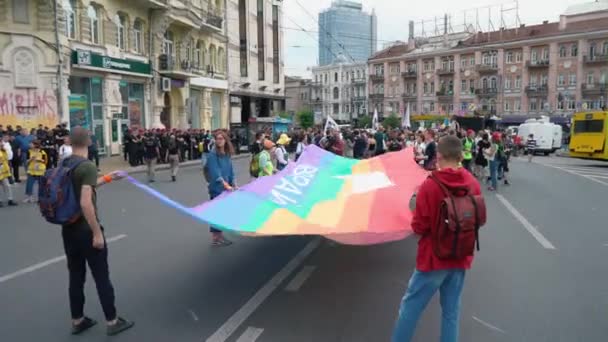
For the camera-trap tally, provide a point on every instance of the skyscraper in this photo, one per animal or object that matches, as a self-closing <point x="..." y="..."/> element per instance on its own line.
<point x="345" y="28"/>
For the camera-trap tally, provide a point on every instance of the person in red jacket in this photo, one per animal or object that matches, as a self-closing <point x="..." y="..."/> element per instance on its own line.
<point x="431" y="273"/>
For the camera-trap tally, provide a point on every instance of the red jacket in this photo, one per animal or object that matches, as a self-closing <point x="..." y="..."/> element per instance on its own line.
<point x="428" y="199"/>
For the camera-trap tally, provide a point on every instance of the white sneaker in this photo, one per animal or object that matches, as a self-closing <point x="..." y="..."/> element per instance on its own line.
<point x="28" y="200"/>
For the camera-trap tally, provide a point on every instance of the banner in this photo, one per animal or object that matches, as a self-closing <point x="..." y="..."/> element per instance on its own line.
<point x="350" y="201"/>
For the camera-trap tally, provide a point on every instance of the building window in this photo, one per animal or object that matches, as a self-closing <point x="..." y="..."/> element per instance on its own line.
<point x="484" y="83"/>
<point x="326" y="78"/>
<point x="426" y="88"/>
<point x="21" y="12"/>
<point x="571" y="104"/>
<point x="379" y="70"/>
<point x="336" y="92"/>
<point x="472" y="60"/>
<point x="94" y="24"/>
<point x="544" y="80"/>
<point x="138" y="36"/>
<point x="168" y="43"/>
<point x="533" y="80"/>
<point x="432" y="87"/>
<point x="509" y="57"/>
<point x="534" y="56"/>
<point x="517" y="82"/>
<point x="590" y="78"/>
<point x="518" y="57"/>
<point x="507" y="106"/>
<point x="517" y="105"/>
<point x="560" y="105"/>
<point x="276" y="70"/>
<point x="533" y="105"/>
<point x="545" y="54"/>
<point x="121" y="29"/>
<point x="395" y="69"/>
<point x="463" y="87"/>
<point x="574" y="50"/>
<point x="432" y="106"/>
<point x="493" y="83"/>
<point x="561" y="80"/>
<point x="463" y="63"/>
<point x="562" y="51"/>
<point x="507" y="83"/>
<point x="572" y="79"/>
<point x="70" y="9"/>
<point x="486" y="59"/>
<point x="243" y="44"/>
<point x="605" y="49"/>
<point x="261" y="41"/>
<point x="336" y="108"/>
<point x="592" y="50"/>
<point x="198" y="55"/>
<point x="472" y="86"/>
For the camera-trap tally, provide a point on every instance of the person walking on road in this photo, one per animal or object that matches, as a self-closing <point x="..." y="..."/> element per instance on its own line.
<point x="468" y="145"/>
<point x="281" y="152"/>
<point x="265" y="159"/>
<point x="173" y="152"/>
<point x="151" y="153"/>
<point x="491" y="155"/>
<point x="36" y="167"/>
<point x="531" y="147"/>
<point x="84" y="243"/>
<point x="221" y="177"/>
<point x="6" y="154"/>
<point x="65" y="151"/>
<point x="433" y="273"/>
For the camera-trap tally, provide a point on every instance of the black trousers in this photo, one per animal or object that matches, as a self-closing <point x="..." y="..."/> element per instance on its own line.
<point x="15" y="164"/>
<point x="94" y="156"/>
<point x="79" y="251"/>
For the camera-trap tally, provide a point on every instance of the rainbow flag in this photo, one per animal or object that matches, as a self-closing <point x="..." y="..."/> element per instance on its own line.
<point x="350" y="201"/>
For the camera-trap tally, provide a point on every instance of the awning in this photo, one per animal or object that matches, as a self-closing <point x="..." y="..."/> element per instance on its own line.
<point x="258" y="95"/>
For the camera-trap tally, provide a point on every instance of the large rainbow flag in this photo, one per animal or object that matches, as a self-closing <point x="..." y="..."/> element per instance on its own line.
<point x="350" y="201"/>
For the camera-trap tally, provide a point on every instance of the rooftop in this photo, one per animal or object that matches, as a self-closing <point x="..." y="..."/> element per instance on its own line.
<point x="588" y="7"/>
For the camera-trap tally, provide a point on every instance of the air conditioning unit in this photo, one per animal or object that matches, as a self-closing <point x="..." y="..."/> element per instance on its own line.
<point x="165" y="84"/>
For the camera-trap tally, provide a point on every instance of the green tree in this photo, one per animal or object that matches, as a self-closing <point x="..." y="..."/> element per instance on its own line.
<point x="285" y="115"/>
<point x="364" y="122"/>
<point x="306" y="119"/>
<point x="393" y="121"/>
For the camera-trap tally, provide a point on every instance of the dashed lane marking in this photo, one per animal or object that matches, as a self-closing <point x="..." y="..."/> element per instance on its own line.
<point x="48" y="262"/>
<point x="529" y="227"/>
<point x="296" y="283"/>
<point x="251" y="334"/>
<point x="193" y="315"/>
<point x="238" y="318"/>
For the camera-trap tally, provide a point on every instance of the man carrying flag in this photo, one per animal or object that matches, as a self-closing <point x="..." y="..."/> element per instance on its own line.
<point x="405" y="122"/>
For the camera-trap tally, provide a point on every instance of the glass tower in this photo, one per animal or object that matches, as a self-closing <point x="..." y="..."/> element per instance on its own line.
<point x="345" y="29"/>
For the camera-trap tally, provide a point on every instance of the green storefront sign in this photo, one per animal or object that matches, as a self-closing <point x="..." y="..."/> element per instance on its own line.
<point x="90" y="59"/>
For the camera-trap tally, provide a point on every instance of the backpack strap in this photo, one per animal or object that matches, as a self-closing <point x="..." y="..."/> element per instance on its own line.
<point x="477" y="220"/>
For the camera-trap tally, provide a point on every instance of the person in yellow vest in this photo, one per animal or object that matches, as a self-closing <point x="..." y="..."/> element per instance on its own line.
<point x="36" y="167"/>
<point x="5" y="173"/>
<point x="468" y="145"/>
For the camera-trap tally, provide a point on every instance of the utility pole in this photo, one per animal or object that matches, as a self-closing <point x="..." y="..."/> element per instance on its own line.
<point x="59" y="63"/>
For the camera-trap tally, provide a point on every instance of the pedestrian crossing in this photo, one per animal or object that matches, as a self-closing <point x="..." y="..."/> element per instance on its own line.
<point x="597" y="172"/>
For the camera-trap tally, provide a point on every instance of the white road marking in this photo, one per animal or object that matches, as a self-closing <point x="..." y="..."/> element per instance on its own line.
<point x="239" y="317"/>
<point x="488" y="325"/>
<point x="574" y="173"/>
<point x="194" y="316"/>
<point x="46" y="263"/>
<point x="529" y="227"/>
<point x="251" y="334"/>
<point x="296" y="283"/>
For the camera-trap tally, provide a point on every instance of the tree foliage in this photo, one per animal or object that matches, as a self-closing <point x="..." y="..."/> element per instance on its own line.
<point x="306" y="119"/>
<point x="393" y="121"/>
<point x="364" y="122"/>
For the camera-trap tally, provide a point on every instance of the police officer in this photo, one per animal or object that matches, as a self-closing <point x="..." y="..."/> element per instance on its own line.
<point x="151" y="146"/>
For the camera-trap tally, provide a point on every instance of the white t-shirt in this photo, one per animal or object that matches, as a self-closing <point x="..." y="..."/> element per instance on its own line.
<point x="65" y="151"/>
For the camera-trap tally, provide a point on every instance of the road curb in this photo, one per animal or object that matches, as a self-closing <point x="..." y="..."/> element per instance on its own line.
<point x="190" y="163"/>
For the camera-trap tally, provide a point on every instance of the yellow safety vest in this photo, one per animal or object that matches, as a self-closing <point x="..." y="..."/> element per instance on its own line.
<point x="37" y="165"/>
<point x="467" y="153"/>
<point x="5" y="170"/>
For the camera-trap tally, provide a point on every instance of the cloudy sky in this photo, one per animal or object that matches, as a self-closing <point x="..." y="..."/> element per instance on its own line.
<point x="302" y="47"/>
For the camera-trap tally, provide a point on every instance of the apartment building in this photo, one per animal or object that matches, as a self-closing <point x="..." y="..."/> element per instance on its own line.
<point x="340" y="90"/>
<point x="255" y="58"/>
<point x="125" y="64"/>
<point x="298" y="93"/>
<point x="554" y="68"/>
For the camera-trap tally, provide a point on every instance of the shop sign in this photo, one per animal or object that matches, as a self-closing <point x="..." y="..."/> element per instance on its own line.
<point x="91" y="59"/>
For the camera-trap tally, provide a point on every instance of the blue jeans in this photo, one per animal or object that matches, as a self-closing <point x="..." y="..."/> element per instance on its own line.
<point x="494" y="173"/>
<point x="29" y="185"/>
<point x="421" y="288"/>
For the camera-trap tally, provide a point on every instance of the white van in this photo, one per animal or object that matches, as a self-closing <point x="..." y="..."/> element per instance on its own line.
<point x="557" y="137"/>
<point x="544" y="132"/>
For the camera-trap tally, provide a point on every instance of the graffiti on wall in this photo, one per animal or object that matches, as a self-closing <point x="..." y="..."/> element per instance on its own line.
<point x="28" y="107"/>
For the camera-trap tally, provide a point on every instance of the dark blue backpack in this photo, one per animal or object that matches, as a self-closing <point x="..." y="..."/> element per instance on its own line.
<point x="56" y="196"/>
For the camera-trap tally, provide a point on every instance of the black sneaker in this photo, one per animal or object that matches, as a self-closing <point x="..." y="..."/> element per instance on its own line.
<point x="173" y="178"/>
<point x="120" y="326"/>
<point x="507" y="182"/>
<point x="1" y="205"/>
<point x="12" y="203"/>
<point x="86" y="324"/>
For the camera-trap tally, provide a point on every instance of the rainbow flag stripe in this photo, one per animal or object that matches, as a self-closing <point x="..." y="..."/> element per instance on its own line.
<point x="347" y="200"/>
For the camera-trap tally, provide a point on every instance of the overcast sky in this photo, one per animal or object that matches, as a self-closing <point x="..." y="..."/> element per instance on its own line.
<point x="301" y="48"/>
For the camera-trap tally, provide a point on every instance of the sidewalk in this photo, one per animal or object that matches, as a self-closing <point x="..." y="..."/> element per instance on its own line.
<point x="114" y="163"/>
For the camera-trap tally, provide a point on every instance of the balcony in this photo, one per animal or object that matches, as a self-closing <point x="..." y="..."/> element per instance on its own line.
<point x="359" y="98"/>
<point x="445" y="72"/>
<point x="595" y="59"/>
<point x="594" y="89"/>
<point x="409" y="74"/>
<point x="376" y="78"/>
<point x="357" y="80"/>
<point x="156" y="4"/>
<point x="486" y="68"/>
<point x="445" y="95"/>
<point x="539" y="64"/>
<point x="486" y="92"/>
<point x="376" y="96"/>
<point x="213" y="18"/>
<point x="409" y="96"/>
<point x="172" y="67"/>
<point x="537" y="91"/>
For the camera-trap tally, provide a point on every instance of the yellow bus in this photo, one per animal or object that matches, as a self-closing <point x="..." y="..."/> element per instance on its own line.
<point x="589" y="136"/>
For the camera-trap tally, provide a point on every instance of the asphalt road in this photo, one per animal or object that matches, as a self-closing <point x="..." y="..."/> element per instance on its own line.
<point x="540" y="275"/>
